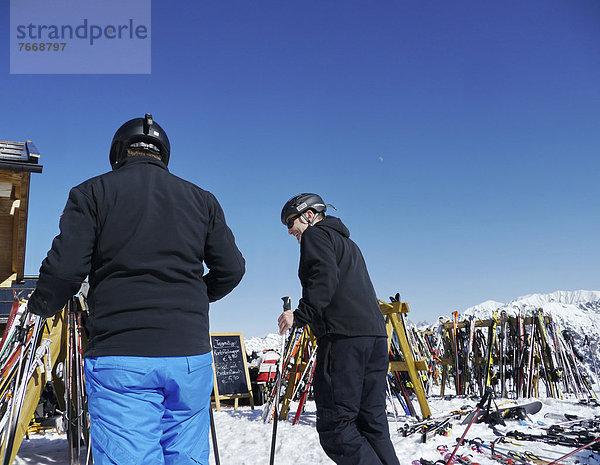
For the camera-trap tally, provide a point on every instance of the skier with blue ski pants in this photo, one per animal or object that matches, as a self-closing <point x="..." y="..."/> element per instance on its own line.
<point x="143" y="237"/>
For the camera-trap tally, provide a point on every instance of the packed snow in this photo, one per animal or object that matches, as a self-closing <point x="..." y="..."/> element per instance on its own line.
<point x="243" y="439"/>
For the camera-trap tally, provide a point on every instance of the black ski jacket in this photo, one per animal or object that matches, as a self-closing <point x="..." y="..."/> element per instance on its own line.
<point x="337" y="293"/>
<point x="142" y="235"/>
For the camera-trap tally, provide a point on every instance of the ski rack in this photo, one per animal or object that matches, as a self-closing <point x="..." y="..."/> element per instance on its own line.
<point x="54" y="330"/>
<point x="542" y="354"/>
<point x="308" y="344"/>
<point x="449" y="346"/>
<point x="394" y="323"/>
<point x="447" y="327"/>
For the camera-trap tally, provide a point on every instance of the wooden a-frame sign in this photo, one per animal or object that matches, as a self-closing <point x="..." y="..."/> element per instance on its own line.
<point x="230" y="369"/>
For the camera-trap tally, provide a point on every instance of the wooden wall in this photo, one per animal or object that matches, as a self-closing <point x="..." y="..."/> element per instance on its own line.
<point x="14" y="202"/>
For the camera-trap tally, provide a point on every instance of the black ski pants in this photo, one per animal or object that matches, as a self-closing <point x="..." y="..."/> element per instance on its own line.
<point x="349" y="388"/>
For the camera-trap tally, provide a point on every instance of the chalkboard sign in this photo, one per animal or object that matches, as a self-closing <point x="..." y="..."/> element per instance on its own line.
<point x="232" y="380"/>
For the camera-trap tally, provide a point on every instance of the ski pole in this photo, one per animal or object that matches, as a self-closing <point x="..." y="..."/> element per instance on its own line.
<point x="488" y="392"/>
<point x="213" y="433"/>
<point x="595" y="441"/>
<point x="287" y="305"/>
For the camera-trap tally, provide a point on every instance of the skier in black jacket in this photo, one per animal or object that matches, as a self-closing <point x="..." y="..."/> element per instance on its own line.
<point x="143" y="235"/>
<point x="339" y="303"/>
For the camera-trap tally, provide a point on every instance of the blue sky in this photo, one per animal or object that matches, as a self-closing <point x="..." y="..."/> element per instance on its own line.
<point x="459" y="141"/>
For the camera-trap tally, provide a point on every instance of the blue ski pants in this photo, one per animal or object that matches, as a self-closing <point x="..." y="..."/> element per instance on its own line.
<point x="349" y="386"/>
<point x="149" y="410"/>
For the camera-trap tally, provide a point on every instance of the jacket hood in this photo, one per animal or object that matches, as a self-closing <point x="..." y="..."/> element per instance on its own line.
<point x="334" y="223"/>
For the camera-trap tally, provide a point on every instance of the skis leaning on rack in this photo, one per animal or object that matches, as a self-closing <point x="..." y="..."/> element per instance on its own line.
<point x="286" y="358"/>
<point x="25" y="349"/>
<point x="77" y="420"/>
<point x="24" y="354"/>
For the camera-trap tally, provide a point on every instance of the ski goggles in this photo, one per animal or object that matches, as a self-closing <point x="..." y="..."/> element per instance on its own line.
<point x="290" y="221"/>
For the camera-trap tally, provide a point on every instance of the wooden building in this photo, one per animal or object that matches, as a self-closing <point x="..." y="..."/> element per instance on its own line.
<point x="17" y="161"/>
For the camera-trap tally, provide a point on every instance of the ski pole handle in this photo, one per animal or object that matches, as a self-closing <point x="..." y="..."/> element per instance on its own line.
<point x="284" y="321"/>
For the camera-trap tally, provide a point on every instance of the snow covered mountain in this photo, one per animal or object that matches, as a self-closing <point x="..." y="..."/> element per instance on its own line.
<point x="576" y="311"/>
<point x="558" y="301"/>
<point x="258" y="344"/>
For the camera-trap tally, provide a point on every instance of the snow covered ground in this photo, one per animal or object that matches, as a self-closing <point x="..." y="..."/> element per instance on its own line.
<point x="243" y="439"/>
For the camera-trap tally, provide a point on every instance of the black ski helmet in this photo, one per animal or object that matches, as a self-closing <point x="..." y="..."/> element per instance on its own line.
<point x="302" y="202"/>
<point x="139" y="130"/>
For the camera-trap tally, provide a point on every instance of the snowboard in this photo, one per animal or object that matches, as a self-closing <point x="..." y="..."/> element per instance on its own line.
<point x="508" y="412"/>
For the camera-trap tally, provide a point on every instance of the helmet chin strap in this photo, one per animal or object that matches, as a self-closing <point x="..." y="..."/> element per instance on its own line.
<point x="310" y="223"/>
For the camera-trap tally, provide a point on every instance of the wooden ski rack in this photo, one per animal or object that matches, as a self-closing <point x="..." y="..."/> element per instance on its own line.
<point x="559" y="371"/>
<point x="300" y="363"/>
<point x="395" y="324"/>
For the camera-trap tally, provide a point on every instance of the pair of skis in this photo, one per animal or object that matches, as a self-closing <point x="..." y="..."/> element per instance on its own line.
<point x="289" y="349"/>
<point x="304" y="385"/>
<point x="76" y="415"/>
<point x="511" y="457"/>
<point x="28" y="352"/>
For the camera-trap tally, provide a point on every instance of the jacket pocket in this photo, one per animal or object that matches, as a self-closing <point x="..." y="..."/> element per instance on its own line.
<point x="121" y="373"/>
<point x="119" y="363"/>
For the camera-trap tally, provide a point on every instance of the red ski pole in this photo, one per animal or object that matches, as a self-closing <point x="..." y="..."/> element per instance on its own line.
<point x="480" y="405"/>
<point x="575" y="451"/>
